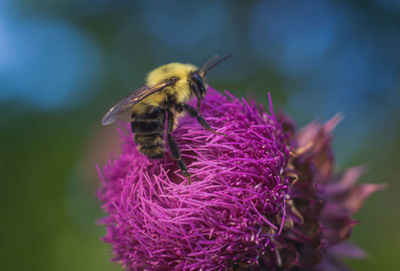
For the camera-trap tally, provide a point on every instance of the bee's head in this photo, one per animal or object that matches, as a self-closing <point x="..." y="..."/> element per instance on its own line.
<point x="199" y="83"/>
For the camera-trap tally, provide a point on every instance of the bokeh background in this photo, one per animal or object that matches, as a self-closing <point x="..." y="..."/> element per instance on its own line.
<point x="63" y="63"/>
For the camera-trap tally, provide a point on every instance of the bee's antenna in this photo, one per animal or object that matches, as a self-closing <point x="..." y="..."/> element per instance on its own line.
<point x="214" y="57"/>
<point x="210" y="65"/>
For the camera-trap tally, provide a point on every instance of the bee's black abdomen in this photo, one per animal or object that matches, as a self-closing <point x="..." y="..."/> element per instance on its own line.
<point x="153" y="152"/>
<point x="146" y="127"/>
<point x="148" y="140"/>
<point x="149" y="131"/>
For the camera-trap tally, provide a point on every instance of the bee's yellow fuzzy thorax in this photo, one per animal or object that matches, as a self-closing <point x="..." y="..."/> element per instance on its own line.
<point x="181" y="90"/>
<point x="167" y="71"/>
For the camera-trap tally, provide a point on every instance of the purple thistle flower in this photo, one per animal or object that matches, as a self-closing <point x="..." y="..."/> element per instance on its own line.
<point x="264" y="197"/>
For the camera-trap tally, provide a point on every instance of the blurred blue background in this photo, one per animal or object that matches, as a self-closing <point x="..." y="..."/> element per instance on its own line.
<point x="63" y="63"/>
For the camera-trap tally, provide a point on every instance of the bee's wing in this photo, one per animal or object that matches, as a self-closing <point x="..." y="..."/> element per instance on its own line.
<point x="118" y="110"/>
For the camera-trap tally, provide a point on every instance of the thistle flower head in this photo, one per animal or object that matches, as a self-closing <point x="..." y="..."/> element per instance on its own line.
<point x="264" y="196"/>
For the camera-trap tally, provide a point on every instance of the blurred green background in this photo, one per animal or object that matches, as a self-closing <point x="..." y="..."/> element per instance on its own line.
<point x="63" y="63"/>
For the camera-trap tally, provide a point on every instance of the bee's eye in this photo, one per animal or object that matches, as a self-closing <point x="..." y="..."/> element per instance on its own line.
<point x="198" y="84"/>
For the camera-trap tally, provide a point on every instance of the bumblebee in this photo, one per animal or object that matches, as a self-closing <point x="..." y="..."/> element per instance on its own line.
<point x="163" y="99"/>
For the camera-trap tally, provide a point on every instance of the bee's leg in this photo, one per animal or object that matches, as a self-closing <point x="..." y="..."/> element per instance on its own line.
<point x="192" y="112"/>
<point x="198" y="107"/>
<point x="175" y="151"/>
